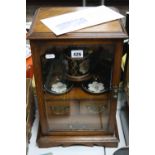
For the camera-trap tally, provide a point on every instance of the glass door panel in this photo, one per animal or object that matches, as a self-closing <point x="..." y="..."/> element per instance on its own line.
<point x="77" y="86"/>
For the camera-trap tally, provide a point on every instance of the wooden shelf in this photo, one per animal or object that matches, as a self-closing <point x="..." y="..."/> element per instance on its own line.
<point x="77" y="94"/>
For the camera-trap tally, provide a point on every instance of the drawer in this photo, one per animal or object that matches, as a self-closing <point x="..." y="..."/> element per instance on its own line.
<point x="57" y="108"/>
<point x="75" y="115"/>
<point x="93" y="107"/>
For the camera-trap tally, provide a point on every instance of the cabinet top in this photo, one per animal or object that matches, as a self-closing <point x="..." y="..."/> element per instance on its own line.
<point x="38" y="30"/>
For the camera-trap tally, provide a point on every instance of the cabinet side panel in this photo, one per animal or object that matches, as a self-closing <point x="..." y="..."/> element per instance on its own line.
<point x="115" y="83"/>
<point x="117" y="63"/>
<point x="38" y="80"/>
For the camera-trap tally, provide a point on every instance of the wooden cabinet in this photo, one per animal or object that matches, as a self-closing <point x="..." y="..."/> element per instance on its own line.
<point x="77" y="96"/>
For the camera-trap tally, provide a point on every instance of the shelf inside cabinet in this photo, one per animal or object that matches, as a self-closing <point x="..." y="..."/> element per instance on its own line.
<point x="77" y="94"/>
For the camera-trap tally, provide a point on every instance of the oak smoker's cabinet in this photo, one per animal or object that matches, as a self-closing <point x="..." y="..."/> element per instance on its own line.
<point x="77" y="76"/>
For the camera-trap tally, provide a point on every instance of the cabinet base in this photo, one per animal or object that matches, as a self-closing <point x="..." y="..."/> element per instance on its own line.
<point x="52" y="141"/>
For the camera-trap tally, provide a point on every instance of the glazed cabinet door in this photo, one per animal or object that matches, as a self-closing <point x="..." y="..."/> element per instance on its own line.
<point x="78" y="82"/>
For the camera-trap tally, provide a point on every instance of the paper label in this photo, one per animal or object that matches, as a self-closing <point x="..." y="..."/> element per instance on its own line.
<point x="77" y="53"/>
<point x="50" y="56"/>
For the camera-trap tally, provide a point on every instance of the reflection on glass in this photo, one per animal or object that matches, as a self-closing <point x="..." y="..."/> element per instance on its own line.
<point x="76" y="82"/>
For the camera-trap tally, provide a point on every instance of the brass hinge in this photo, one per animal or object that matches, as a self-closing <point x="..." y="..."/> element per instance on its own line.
<point x="115" y="92"/>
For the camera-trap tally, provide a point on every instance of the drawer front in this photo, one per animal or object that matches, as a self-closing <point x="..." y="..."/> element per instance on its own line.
<point x="93" y="107"/>
<point x="57" y="108"/>
<point x="90" y="116"/>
